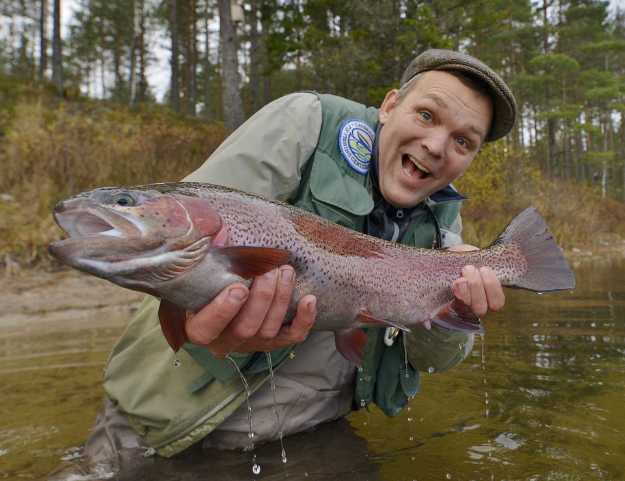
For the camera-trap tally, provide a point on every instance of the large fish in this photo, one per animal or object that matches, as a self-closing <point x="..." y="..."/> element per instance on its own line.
<point x="185" y="242"/>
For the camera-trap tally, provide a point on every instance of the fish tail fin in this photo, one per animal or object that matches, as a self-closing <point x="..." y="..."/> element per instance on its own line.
<point x="547" y="269"/>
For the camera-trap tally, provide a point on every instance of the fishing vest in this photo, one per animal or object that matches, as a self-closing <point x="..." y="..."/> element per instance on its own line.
<point x="173" y="400"/>
<point x="336" y="185"/>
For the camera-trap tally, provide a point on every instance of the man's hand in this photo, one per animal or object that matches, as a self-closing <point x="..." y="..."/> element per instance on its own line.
<point x="250" y="320"/>
<point x="478" y="288"/>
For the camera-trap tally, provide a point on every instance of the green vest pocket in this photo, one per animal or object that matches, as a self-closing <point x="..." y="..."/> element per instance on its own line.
<point x="336" y="196"/>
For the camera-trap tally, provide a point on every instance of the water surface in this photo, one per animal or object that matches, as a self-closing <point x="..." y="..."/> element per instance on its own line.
<point x="541" y="397"/>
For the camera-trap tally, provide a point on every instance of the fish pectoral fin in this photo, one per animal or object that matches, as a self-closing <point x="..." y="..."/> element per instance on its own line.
<point x="351" y="344"/>
<point x="457" y="316"/>
<point x="254" y="261"/>
<point x="173" y="319"/>
<point x="366" y="317"/>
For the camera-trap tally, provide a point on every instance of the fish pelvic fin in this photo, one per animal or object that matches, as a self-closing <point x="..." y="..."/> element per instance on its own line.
<point x="547" y="269"/>
<point x="457" y="316"/>
<point x="351" y="344"/>
<point x="173" y="320"/>
<point x="250" y="262"/>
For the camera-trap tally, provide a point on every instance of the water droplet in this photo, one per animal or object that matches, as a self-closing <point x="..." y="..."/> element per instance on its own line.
<point x="177" y="363"/>
<point x="256" y="469"/>
<point x="431" y="370"/>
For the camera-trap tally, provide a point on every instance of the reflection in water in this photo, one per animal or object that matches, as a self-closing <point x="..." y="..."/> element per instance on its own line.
<point x="541" y="398"/>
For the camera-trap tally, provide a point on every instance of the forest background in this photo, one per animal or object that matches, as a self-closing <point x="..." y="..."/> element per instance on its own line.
<point x="78" y="106"/>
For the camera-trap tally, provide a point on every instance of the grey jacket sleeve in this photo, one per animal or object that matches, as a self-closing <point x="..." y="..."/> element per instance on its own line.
<point x="266" y="155"/>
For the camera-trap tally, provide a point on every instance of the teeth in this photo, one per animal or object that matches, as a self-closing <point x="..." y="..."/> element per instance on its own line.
<point x="418" y="165"/>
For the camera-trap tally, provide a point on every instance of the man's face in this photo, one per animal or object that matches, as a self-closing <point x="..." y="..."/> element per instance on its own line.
<point x="430" y="137"/>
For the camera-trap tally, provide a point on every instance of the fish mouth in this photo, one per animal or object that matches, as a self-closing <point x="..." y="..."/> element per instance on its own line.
<point x="94" y="231"/>
<point x="84" y="221"/>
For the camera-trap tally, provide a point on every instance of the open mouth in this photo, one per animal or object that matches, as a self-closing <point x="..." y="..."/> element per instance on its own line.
<point x="414" y="168"/>
<point x="84" y="223"/>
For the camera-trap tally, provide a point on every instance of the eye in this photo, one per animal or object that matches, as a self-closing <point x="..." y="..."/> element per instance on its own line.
<point x="463" y="142"/>
<point x="125" y="200"/>
<point x="425" y="115"/>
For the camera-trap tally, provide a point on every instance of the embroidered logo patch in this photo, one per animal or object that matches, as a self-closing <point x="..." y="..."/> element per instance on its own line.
<point x="356" y="144"/>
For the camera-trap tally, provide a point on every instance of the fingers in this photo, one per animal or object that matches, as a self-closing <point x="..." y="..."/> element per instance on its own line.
<point x="479" y="289"/>
<point x="255" y="322"/>
<point x="494" y="291"/>
<point x="303" y="321"/>
<point x="210" y="321"/>
<point x="249" y="319"/>
<point x="294" y="333"/>
<point x="281" y="300"/>
<point x="252" y="315"/>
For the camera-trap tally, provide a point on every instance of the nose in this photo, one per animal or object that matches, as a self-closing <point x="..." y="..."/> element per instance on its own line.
<point x="434" y="142"/>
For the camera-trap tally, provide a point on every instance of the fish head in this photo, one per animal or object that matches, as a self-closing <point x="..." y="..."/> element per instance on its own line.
<point x="135" y="237"/>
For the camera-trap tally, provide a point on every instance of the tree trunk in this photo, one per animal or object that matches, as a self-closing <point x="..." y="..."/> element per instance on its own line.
<point x="143" y="82"/>
<point x="208" y="69"/>
<point x="136" y="38"/>
<point x="193" y="59"/>
<point x="43" y="39"/>
<point x="265" y="20"/>
<point x="174" y="92"/>
<point x="255" y="57"/>
<point x="57" y="52"/>
<point x="231" y="95"/>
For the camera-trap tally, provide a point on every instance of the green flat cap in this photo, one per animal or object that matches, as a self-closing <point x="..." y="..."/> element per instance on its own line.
<point x="504" y="114"/>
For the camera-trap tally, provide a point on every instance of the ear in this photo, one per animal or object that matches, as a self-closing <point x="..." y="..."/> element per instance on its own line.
<point x="388" y="104"/>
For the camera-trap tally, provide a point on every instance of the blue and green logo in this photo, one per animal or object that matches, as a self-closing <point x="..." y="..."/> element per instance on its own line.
<point x="356" y="144"/>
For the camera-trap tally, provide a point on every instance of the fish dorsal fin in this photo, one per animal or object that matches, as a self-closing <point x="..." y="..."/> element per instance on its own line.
<point x="173" y="319"/>
<point x="457" y="316"/>
<point x="366" y="317"/>
<point x="250" y="262"/>
<point x="351" y="344"/>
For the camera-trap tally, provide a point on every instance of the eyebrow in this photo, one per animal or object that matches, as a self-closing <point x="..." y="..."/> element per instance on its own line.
<point x="441" y="103"/>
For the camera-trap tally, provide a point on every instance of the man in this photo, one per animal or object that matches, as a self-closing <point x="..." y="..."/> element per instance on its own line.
<point x="384" y="172"/>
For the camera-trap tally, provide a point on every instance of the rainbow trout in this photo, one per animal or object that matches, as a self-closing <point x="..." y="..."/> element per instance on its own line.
<point x="185" y="242"/>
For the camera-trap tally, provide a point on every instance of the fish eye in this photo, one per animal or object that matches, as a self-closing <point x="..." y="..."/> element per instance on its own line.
<point x="124" y="200"/>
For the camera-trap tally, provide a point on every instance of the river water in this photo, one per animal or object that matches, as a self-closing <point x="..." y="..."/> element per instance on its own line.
<point x="541" y="397"/>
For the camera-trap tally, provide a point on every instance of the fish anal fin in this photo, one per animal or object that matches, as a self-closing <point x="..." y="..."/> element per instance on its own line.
<point x="351" y="344"/>
<point x="457" y="316"/>
<point x="365" y="317"/>
<point x="173" y="319"/>
<point x="250" y="262"/>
